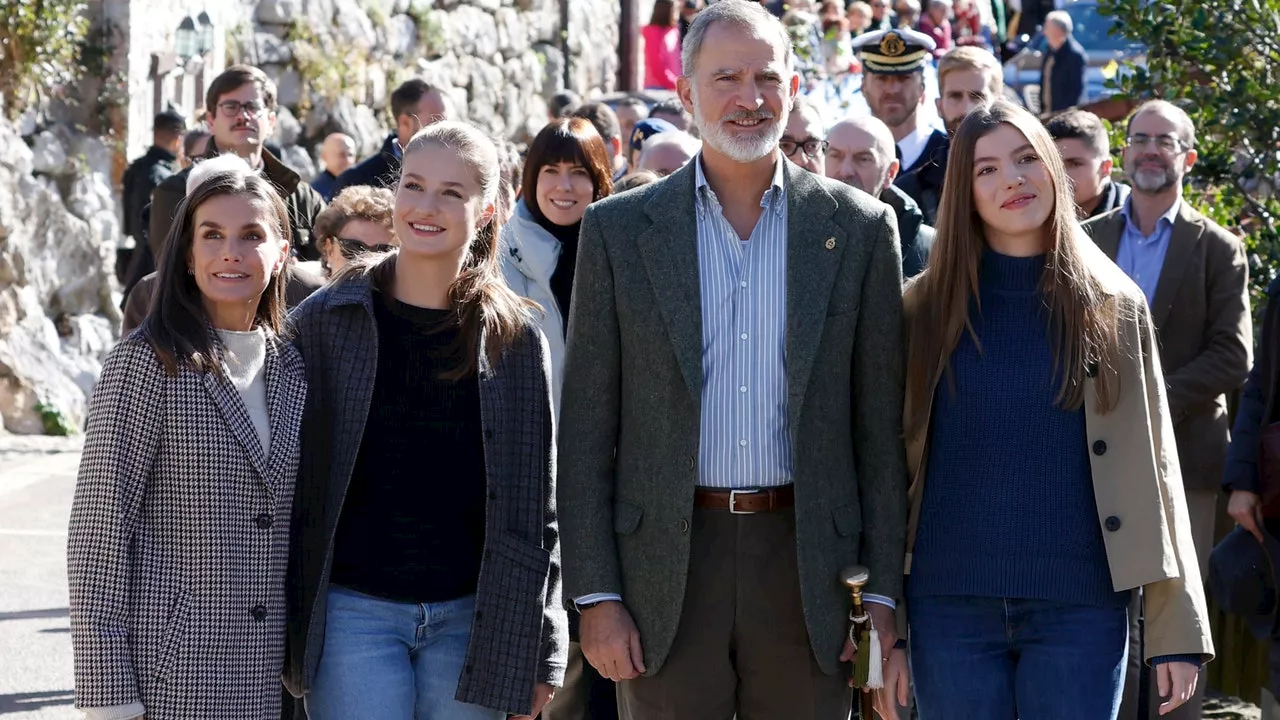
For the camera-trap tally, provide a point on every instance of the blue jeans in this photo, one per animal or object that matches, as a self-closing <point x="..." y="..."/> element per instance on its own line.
<point x="386" y="660"/>
<point x="1003" y="659"/>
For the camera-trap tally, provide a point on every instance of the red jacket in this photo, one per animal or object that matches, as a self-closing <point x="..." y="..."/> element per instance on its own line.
<point x="941" y="34"/>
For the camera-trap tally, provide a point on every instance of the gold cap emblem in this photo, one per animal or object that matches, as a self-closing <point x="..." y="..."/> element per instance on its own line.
<point x="892" y="45"/>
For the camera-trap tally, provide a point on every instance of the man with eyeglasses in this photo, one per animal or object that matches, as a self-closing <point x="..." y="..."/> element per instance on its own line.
<point x="893" y="84"/>
<point x="860" y="153"/>
<point x="241" y="104"/>
<point x="802" y="141"/>
<point x="1196" y="280"/>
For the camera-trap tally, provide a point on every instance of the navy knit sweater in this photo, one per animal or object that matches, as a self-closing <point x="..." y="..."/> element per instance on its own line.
<point x="1008" y="508"/>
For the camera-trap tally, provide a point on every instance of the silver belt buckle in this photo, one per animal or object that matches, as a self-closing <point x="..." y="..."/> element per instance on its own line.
<point x="733" y="501"/>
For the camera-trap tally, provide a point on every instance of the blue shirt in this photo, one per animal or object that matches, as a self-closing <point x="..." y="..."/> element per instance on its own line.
<point x="745" y="439"/>
<point x="1141" y="257"/>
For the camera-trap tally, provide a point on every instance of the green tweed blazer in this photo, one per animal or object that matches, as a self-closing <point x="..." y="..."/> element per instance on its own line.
<point x="633" y="380"/>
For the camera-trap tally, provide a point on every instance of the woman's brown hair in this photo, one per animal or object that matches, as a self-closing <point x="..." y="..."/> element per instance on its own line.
<point x="1082" y="315"/>
<point x="483" y="304"/>
<point x="571" y="140"/>
<point x="177" y="325"/>
<point x="664" y="13"/>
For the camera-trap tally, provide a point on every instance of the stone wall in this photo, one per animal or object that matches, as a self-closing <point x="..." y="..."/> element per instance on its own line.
<point x="58" y="233"/>
<point x="336" y="62"/>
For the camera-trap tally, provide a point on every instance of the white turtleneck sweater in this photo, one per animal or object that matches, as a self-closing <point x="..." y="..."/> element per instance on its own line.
<point x="245" y="356"/>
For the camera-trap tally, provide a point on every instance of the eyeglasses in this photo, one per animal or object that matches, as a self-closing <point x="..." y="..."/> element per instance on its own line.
<point x="232" y="108"/>
<point x="812" y="148"/>
<point x="351" y="249"/>
<point x="1167" y="144"/>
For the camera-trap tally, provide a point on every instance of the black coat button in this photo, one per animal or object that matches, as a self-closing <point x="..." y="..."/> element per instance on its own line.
<point x="1099" y="448"/>
<point x="259" y="613"/>
<point x="263" y="522"/>
<point x="1112" y="523"/>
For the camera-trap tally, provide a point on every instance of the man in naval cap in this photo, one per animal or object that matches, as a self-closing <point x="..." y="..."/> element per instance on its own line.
<point x="893" y="64"/>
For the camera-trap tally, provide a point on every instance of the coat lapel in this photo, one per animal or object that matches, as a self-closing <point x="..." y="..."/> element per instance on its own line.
<point x="233" y="411"/>
<point x="815" y="246"/>
<point x="286" y="391"/>
<point x="1183" y="241"/>
<point x="669" y="248"/>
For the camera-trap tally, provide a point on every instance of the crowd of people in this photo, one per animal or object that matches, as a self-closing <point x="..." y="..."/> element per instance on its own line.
<point x="590" y="429"/>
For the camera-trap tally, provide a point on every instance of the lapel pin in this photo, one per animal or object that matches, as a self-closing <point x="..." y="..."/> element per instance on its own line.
<point x="831" y="243"/>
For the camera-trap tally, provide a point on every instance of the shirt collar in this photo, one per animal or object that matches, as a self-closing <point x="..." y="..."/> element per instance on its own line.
<point x="1170" y="216"/>
<point x="774" y="198"/>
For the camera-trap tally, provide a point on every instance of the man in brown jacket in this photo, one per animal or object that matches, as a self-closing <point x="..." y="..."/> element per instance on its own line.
<point x="1196" y="279"/>
<point x="241" y="104"/>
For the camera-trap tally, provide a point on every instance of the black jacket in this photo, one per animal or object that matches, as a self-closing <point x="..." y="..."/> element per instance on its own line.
<point x="1257" y="407"/>
<point x="1113" y="198"/>
<point x="380" y="171"/>
<point x="302" y="202"/>
<point x="143" y="175"/>
<point x="923" y="180"/>
<point x="1066" y="81"/>
<point x="915" y="235"/>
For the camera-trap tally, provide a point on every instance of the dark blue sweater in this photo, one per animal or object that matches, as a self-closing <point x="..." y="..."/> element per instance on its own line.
<point x="1008" y="508"/>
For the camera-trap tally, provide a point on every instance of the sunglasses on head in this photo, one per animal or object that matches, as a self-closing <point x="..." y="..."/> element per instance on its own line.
<point x="351" y="248"/>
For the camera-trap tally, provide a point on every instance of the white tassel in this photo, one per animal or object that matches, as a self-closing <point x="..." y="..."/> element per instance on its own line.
<point x="875" y="669"/>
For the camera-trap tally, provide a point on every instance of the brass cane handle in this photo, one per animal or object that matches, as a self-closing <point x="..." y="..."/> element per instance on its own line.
<point x="855" y="577"/>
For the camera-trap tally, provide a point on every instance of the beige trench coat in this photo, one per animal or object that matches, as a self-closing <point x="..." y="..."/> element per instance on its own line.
<point x="1136" y="478"/>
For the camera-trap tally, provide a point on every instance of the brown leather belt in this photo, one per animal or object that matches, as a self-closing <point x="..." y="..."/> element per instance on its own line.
<point x="745" y="502"/>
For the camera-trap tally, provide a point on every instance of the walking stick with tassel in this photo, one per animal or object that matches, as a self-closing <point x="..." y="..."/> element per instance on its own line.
<point x="868" y="670"/>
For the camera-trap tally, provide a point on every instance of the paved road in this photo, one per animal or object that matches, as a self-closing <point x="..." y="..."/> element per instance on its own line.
<point x="37" y="478"/>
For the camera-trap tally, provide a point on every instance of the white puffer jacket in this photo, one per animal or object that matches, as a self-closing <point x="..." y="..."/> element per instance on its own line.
<point x="529" y="257"/>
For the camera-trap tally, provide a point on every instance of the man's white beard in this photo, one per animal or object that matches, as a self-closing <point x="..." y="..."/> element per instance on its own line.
<point x="741" y="148"/>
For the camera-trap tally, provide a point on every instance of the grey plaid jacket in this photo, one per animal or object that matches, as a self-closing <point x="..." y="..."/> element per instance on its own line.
<point x="179" y="538"/>
<point x="519" y="636"/>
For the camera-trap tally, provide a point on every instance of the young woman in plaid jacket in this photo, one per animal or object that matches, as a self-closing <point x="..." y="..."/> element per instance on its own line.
<point x="426" y="575"/>
<point x="178" y="542"/>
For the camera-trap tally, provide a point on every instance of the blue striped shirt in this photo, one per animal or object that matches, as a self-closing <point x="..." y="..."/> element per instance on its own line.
<point x="1141" y="257"/>
<point x="745" y="435"/>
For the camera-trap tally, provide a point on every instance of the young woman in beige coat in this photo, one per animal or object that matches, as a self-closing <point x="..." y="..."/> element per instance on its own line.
<point x="1045" y="481"/>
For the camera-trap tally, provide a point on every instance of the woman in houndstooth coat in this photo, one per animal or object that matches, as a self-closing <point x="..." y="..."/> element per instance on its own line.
<point x="179" y="534"/>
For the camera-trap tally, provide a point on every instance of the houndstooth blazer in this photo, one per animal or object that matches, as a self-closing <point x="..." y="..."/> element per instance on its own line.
<point x="519" y="636"/>
<point x="179" y="538"/>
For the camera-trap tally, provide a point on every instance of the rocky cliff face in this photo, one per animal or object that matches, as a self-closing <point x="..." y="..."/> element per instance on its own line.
<point x="58" y="233"/>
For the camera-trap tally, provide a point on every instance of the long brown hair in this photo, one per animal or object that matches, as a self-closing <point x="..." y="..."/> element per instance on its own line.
<point x="1082" y="319"/>
<point x="483" y="304"/>
<point x="177" y="325"/>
